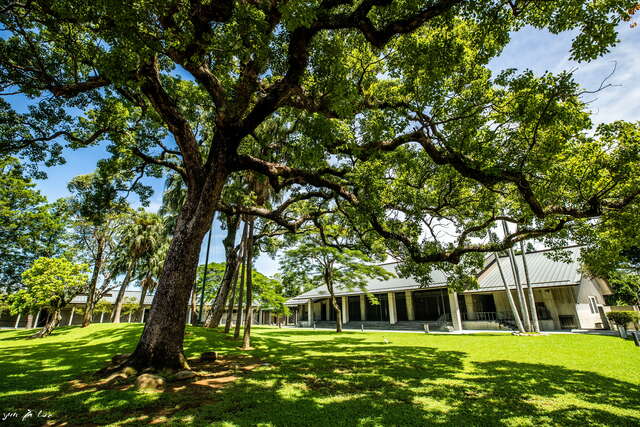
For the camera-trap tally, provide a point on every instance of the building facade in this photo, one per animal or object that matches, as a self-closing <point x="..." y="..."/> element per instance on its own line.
<point x="565" y="298"/>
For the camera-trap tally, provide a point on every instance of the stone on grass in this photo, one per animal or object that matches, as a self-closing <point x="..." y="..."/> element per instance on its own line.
<point x="184" y="375"/>
<point x="209" y="356"/>
<point x="129" y="371"/>
<point x="150" y="382"/>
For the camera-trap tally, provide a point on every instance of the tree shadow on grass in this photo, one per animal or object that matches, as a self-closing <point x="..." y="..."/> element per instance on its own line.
<point x="348" y="379"/>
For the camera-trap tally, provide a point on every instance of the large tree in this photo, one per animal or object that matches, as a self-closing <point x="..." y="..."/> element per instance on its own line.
<point x="389" y="105"/>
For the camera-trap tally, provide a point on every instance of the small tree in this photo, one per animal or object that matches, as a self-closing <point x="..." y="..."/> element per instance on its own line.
<point x="330" y="257"/>
<point x="101" y="307"/>
<point x="623" y="318"/>
<point x="50" y="283"/>
<point x="129" y="307"/>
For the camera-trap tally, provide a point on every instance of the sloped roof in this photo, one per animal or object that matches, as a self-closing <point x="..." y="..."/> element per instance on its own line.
<point x="438" y="280"/>
<point x="543" y="272"/>
<point x="111" y="297"/>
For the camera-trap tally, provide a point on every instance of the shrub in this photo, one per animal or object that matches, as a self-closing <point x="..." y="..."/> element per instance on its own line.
<point x="623" y="318"/>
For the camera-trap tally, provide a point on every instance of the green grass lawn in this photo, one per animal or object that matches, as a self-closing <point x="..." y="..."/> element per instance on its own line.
<point x="322" y="378"/>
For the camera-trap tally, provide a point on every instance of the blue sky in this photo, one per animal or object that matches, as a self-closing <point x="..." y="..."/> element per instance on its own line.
<point x="528" y="49"/>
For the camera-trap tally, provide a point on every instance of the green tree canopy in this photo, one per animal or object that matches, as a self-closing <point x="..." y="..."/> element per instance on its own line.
<point x="29" y="226"/>
<point x="388" y="107"/>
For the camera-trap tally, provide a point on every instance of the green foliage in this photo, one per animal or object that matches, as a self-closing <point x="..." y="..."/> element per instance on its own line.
<point x="626" y="288"/>
<point x="130" y="305"/>
<point x="102" y="306"/>
<point x="623" y="318"/>
<point x="49" y="282"/>
<point x="328" y="256"/>
<point x="29" y="227"/>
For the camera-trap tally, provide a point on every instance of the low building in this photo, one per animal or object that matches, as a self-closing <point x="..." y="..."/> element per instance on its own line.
<point x="72" y="314"/>
<point x="565" y="298"/>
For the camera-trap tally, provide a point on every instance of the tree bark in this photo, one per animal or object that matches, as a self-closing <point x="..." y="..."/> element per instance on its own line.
<point x="53" y="320"/>
<point x="97" y="266"/>
<point x="516" y="280"/>
<point x="512" y="303"/>
<point x="232" y="260"/>
<point x="227" y="326"/>
<point x="236" y="333"/>
<point x="29" y="321"/>
<point x="532" y="300"/>
<point x="161" y="343"/>
<point x="246" y="339"/>
<point x="115" y="315"/>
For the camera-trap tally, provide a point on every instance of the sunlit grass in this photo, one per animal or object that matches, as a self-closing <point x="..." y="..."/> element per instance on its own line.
<point x="354" y="378"/>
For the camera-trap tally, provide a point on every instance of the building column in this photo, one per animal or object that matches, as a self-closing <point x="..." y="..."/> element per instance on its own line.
<point x="309" y="314"/>
<point x="393" y="313"/>
<point x="363" y="308"/>
<point x="327" y="309"/>
<point x="17" y="322"/>
<point x="455" y="311"/>
<point x="408" y="297"/>
<point x="73" y="310"/>
<point x="35" y="322"/>
<point x="345" y="310"/>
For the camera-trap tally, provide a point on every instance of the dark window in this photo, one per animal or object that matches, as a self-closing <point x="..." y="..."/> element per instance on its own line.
<point x="430" y="305"/>
<point x="543" y="313"/>
<point x="378" y="312"/>
<point x="401" y="306"/>
<point x="354" y="308"/>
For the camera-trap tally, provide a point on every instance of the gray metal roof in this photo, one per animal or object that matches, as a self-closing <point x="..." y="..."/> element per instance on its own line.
<point x="111" y="297"/>
<point x="543" y="272"/>
<point x="438" y="280"/>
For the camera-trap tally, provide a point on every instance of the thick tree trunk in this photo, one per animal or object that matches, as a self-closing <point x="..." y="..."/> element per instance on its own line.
<point x="97" y="266"/>
<point x="53" y="320"/>
<point x="512" y="303"/>
<point x="532" y="300"/>
<point x="232" y="260"/>
<point x="246" y="339"/>
<point x="117" y="310"/>
<point x="161" y="343"/>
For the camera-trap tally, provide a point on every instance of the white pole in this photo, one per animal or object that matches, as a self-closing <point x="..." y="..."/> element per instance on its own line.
<point x="35" y="323"/>
<point x="73" y="309"/>
<point x="17" y="322"/>
<point x="101" y="317"/>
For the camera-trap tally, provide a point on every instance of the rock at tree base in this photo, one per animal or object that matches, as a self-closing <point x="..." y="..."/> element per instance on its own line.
<point x="209" y="356"/>
<point x="184" y="375"/>
<point x="129" y="371"/>
<point x="149" y="382"/>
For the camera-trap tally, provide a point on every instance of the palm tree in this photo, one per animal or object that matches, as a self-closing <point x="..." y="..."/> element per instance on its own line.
<point x="139" y="238"/>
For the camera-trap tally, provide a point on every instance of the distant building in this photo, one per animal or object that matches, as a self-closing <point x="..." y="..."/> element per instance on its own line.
<point x="71" y="314"/>
<point x="565" y="298"/>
